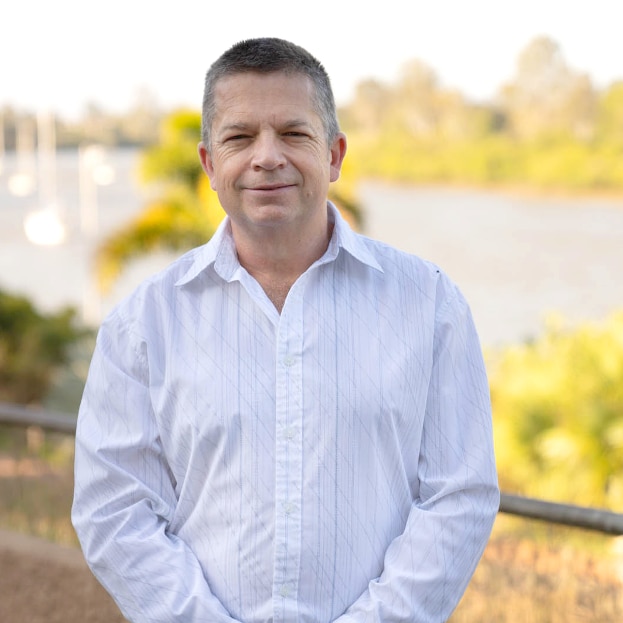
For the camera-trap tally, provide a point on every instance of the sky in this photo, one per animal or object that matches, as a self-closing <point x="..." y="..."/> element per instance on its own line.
<point x="57" y="56"/>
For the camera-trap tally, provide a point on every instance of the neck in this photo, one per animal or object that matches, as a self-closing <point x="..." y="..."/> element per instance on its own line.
<point x="276" y="260"/>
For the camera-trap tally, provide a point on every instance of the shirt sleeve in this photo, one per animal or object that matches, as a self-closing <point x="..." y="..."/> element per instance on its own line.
<point x="428" y="567"/>
<point x="125" y="494"/>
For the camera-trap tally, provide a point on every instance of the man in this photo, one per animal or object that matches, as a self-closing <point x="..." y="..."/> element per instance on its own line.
<point x="292" y="422"/>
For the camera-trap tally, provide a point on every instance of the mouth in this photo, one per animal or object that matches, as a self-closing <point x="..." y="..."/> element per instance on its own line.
<point x="270" y="187"/>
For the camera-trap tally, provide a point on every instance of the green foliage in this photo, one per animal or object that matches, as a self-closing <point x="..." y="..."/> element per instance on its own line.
<point x="610" y="115"/>
<point x="33" y="347"/>
<point x="558" y="414"/>
<point x="173" y="222"/>
<point x="174" y="159"/>
<point x="548" y="129"/>
<point x="184" y="212"/>
<point x="496" y="160"/>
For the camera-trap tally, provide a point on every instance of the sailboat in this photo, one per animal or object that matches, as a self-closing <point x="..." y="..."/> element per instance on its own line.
<point x="44" y="225"/>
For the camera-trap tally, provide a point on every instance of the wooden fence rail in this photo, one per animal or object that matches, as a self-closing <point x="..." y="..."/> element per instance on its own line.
<point x="584" y="517"/>
<point x="27" y="416"/>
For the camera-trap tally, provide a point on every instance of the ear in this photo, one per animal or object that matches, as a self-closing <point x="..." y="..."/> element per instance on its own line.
<point x="207" y="164"/>
<point x="338" y="151"/>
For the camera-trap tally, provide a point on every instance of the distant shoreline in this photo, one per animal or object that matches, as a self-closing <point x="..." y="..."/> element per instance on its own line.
<point x="611" y="198"/>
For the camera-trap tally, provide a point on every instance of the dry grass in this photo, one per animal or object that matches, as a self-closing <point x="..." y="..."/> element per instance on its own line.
<point x="530" y="572"/>
<point x="535" y="574"/>
<point x="36" y="484"/>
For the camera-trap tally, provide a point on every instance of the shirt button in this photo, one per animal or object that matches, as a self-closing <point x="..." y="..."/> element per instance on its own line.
<point x="289" y="434"/>
<point x="288" y="361"/>
<point x="284" y="591"/>
<point x="288" y="507"/>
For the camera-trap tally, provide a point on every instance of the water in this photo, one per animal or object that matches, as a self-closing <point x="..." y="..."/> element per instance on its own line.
<point x="55" y="276"/>
<point x="515" y="258"/>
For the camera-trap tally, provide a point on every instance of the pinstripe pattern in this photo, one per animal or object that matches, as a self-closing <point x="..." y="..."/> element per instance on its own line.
<point x="331" y="462"/>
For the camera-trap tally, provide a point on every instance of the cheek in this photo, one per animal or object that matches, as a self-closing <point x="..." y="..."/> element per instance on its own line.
<point x="318" y="166"/>
<point x="223" y="176"/>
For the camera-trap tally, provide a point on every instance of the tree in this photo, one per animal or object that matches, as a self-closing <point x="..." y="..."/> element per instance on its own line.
<point x="186" y="211"/>
<point x="180" y="216"/>
<point x="367" y="112"/>
<point x="416" y="99"/>
<point x="139" y="125"/>
<point x="610" y="119"/>
<point x="546" y="96"/>
<point x="558" y="414"/>
<point x="33" y="347"/>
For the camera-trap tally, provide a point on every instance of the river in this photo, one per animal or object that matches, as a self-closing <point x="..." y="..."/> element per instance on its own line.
<point x="516" y="258"/>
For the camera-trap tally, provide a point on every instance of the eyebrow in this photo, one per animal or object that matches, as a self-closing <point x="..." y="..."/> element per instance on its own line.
<point x="297" y="123"/>
<point x="234" y="126"/>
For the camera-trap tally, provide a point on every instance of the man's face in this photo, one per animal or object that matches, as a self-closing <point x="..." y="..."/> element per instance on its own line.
<point x="269" y="160"/>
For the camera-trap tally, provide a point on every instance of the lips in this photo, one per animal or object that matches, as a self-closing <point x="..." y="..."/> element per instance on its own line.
<point x="270" y="187"/>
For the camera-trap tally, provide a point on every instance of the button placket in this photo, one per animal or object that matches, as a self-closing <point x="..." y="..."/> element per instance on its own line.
<point x="288" y="455"/>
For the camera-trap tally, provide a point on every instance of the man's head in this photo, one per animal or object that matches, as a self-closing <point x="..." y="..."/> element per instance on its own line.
<point x="266" y="55"/>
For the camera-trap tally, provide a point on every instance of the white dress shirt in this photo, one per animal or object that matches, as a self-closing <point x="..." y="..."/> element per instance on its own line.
<point x="333" y="461"/>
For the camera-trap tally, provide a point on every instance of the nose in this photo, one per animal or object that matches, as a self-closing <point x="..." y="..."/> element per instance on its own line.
<point x="268" y="152"/>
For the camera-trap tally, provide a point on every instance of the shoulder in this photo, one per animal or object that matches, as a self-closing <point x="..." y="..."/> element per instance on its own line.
<point x="408" y="279"/>
<point x="157" y="294"/>
<point x="397" y="264"/>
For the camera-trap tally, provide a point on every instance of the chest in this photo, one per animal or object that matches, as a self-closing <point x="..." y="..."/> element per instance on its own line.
<point x="277" y="292"/>
<point x="339" y="365"/>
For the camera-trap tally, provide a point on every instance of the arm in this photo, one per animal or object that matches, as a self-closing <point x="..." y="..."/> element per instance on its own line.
<point x="125" y="495"/>
<point x="428" y="567"/>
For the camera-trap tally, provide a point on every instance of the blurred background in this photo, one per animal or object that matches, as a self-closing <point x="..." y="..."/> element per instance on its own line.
<point x="484" y="136"/>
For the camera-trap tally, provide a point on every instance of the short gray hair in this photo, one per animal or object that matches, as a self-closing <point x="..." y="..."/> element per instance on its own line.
<point x="267" y="55"/>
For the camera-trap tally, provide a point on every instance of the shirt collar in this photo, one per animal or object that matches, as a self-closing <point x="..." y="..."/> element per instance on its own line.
<point x="220" y="251"/>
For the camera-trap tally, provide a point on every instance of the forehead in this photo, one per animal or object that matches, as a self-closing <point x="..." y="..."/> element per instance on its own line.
<point x="254" y="93"/>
